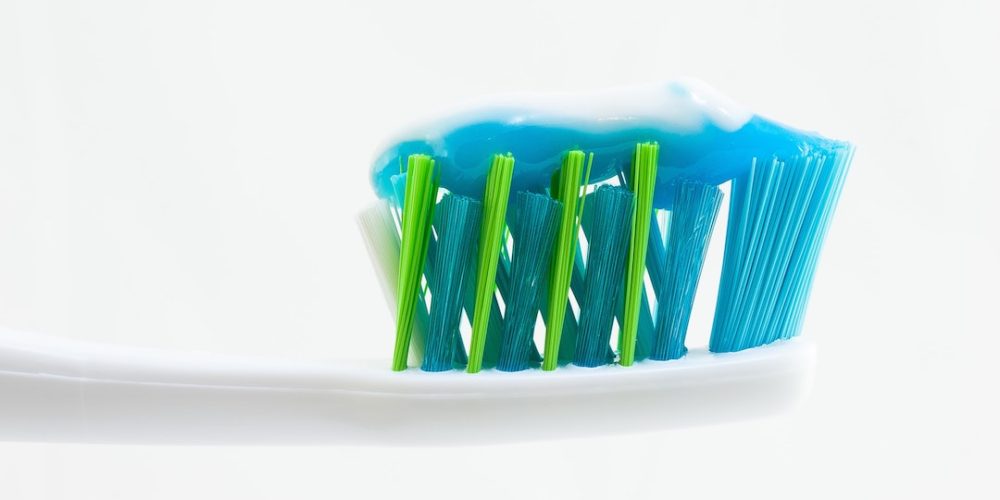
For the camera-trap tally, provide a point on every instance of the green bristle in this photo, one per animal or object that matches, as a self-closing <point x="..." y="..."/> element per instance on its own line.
<point x="643" y="182"/>
<point x="608" y="240"/>
<point x="456" y="218"/>
<point x="568" y="342"/>
<point x="494" y="329"/>
<point x="571" y="184"/>
<point x="491" y="237"/>
<point x="418" y="211"/>
<point x="644" y="336"/>
<point x="422" y="317"/>
<point x="533" y="228"/>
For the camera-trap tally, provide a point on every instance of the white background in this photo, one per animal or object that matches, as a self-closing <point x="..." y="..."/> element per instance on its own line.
<point x="184" y="175"/>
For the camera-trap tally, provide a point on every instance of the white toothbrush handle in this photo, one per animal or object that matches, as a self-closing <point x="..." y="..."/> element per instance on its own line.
<point x="54" y="389"/>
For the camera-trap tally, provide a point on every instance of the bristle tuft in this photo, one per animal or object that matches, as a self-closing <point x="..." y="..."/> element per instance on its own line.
<point x="779" y="214"/>
<point x="418" y="212"/>
<point x="533" y="229"/>
<point x="692" y="219"/>
<point x="457" y="218"/>
<point x="495" y="200"/>
<point x="608" y="243"/>
<point x="643" y="183"/>
<point x="569" y="186"/>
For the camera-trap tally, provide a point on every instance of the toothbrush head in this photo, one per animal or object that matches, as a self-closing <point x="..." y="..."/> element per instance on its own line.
<point x="612" y="280"/>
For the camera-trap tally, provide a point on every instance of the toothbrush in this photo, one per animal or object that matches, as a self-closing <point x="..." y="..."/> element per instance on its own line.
<point x="499" y="215"/>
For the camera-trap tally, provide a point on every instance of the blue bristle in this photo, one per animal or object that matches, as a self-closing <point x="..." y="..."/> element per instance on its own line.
<point x="494" y="336"/>
<point x="533" y="229"/>
<point x="578" y="286"/>
<point x="779" y="214"/>
<point x="567" y="347"/>
<point x="457" y="217"/>
<point x="606" y="255"/>
<point x="461" y="358"/>
<point x="832" y="184"/>
<point x="692" y="219"/>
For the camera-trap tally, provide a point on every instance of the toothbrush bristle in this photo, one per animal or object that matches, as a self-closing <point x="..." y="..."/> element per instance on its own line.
<point x="692" y="219"/>
<point x="492" y="231"/>
<point x="533" y="228"/>
<point x="418" y="212"/>
<point x="643" y="183"/>
<point x="569" y="186"/>
<point x="612" y="212"/>
<point x="779" y="214"/>
<point x="457" y="218"/>
<point x="582" y="266"/>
